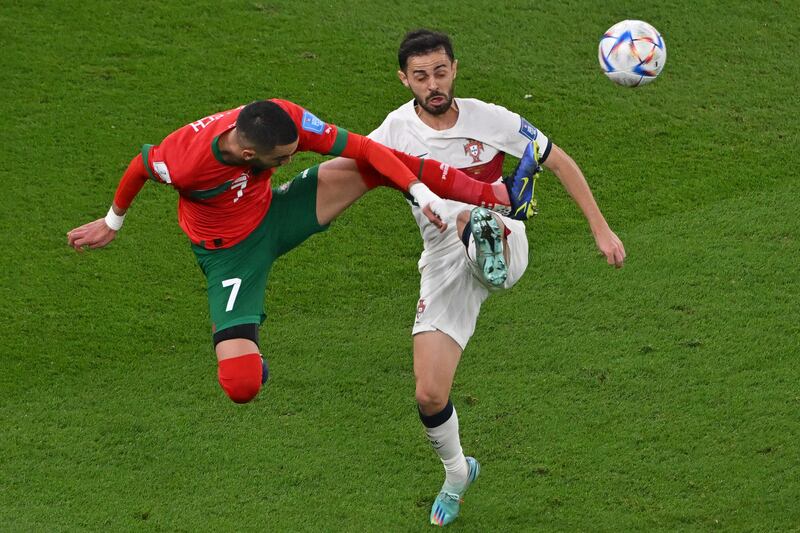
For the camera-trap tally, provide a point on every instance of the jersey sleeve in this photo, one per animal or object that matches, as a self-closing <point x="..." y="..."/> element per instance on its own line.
<point x="511" y="133"/>
<point x="381" y="134"/>
<point x="314" y="134"/>
<point x="154" y="159"/>
<point x="131" y="183"/>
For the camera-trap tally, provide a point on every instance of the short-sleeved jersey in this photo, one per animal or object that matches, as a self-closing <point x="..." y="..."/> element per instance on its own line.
<point x="221" y="204"/>
<point x="476" y="144"/>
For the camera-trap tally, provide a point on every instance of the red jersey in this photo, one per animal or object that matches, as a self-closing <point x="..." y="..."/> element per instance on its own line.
<point x="220" y="204"/>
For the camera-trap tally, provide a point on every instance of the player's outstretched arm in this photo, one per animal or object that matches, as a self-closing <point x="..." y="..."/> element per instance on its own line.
<point x="386" y="162"/>
<point x="575" y="184"/>
<point x="102" y="231"/>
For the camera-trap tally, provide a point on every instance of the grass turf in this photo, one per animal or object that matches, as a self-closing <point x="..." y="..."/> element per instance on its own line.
<point x="659" y="397"/>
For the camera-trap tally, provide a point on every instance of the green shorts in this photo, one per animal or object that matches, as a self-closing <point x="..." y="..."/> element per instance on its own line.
<point x="237" y="276"/>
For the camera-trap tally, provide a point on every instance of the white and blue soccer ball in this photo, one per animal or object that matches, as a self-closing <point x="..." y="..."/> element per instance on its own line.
<point x="632" y="53"/>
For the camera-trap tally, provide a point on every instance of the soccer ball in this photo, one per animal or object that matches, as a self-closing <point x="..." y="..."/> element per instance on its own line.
<point x="632" y="53"/>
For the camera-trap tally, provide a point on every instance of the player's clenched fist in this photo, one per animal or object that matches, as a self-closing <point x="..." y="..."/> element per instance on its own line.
<point x="611" y="247"/>
<point x="95" y="234"/>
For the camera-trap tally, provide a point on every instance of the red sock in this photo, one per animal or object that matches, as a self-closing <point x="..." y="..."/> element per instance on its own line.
<point x="451" y="183"/>
<point x="442" y="179"/>
<point x="240" y="377"/>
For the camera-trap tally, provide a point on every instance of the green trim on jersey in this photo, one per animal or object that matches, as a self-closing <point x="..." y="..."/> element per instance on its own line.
<point x="340" y="143"/>
<point x="146" y="157"/>
<point x="210" y="193"/>
<point x="217" y="153"/>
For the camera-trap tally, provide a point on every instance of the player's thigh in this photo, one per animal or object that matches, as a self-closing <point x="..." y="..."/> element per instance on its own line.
<point x="517" y="245"/>
<point x="436" y="357"/>
<point x="450" y="296"/>
<point x="339" y="184"/>
<point x="292" y="216"/>
<point x="515" y="251"/>
<point x="236" y="280"/>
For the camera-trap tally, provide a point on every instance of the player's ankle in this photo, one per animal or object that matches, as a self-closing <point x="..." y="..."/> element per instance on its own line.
<point x="501" y="192"/>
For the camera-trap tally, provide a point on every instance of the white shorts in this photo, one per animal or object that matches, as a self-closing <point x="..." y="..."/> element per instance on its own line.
<point x="451" y="286"/>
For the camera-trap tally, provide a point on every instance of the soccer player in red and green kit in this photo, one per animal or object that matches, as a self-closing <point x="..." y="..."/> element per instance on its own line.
<point x="238" y="225"/>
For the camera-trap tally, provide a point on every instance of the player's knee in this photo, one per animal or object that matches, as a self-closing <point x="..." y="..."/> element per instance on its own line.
<point x="431" y="399"/>
<point x="241" y="377"/>
<point x="438" y="417"/>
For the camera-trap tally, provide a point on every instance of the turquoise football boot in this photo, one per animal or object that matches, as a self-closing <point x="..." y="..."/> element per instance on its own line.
<point x="488" y="246"/>
<point x="447" y="504"/>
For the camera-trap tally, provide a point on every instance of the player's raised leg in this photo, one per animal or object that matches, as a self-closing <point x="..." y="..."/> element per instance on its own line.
<point x="339" y="185"/>
<point x="454" y="184"/>
<point x="484" y="235"/>
<point x="521" y="183"/>
<point x="447" y="182"/>
<point x="342" y="181"/>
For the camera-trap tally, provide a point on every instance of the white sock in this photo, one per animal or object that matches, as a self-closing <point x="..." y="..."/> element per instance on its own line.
<point x="446" y="442"/>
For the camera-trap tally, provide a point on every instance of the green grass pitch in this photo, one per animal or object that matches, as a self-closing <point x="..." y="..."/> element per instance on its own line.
<point x="662" y="397"/>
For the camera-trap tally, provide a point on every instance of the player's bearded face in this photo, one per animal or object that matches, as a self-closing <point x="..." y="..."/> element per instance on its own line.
<point x="431" y="78"/>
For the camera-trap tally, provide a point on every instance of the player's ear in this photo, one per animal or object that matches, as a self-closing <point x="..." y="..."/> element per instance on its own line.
<point x="403" y="77"/>
<point x="455" y="68"/>
<point x="248" y="154"/>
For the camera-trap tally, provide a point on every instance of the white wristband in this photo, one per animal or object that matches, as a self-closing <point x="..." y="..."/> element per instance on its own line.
<point x="427" y="198"/>
<point x="113" y="220"/>
<point x="422" y="194"/>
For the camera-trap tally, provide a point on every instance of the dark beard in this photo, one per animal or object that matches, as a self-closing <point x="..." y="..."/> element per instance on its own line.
<point x="440" y="109"/>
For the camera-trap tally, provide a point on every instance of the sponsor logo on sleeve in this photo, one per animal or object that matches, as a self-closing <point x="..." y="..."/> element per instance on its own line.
<point x="444" y="167"/>
<point x="163" y="172"/>
<point x="528" y="130"/>
<point x="312" y="123"/>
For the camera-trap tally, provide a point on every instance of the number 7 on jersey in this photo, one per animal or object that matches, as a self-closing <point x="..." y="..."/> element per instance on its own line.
<point x="236" y="283"/>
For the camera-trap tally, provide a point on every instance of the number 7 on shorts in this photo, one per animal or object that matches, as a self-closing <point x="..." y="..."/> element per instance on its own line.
<point x="236" y="283"/>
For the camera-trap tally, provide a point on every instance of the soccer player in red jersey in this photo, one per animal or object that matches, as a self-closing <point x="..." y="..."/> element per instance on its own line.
<point x="221" y="166"/>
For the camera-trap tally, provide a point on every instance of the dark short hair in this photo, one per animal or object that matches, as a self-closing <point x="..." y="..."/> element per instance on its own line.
<point x="423" y="41"/>
<point x="266" y="125"/>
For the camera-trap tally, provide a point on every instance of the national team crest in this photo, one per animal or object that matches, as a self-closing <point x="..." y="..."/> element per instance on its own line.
<point x="474" y="148"/>
<point x="420" y="308"/>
